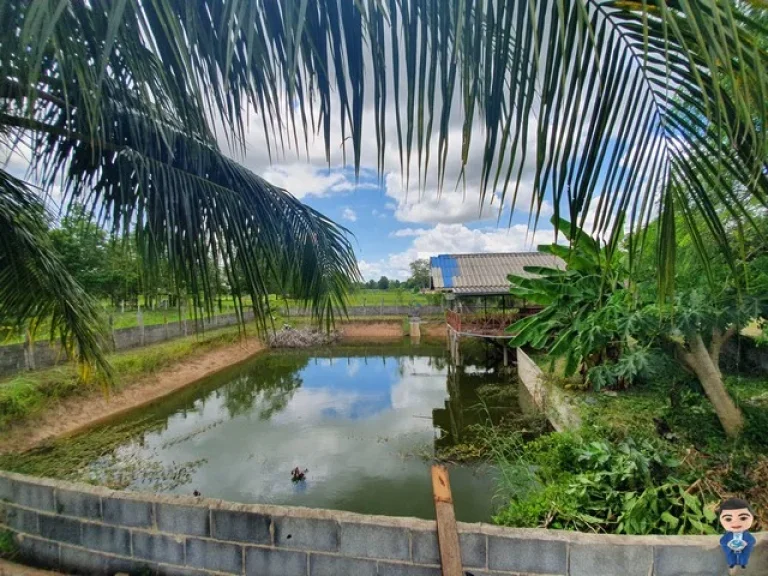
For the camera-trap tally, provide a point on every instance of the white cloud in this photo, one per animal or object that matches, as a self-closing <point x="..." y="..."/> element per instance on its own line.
<point x="455" y="239"/>
<point x="304" y="180"/>
<point x="349" y="214"/>
<point x="407" y="232"/>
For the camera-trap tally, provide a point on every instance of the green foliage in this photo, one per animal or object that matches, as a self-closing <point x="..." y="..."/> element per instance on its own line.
<point x="420" y="274"/>
<point x="8" y="547"/>
<point x="569" y="481"/>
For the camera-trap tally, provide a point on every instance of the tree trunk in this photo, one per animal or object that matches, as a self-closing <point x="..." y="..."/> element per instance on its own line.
<point x="716" y="345"/>
<point x="700" y="361"/>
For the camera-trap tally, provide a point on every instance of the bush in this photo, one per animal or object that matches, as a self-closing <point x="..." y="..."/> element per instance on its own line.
<point x="585" y="483"/>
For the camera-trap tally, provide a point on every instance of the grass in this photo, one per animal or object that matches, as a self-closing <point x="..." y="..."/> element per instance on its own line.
<point x="29" y="394"/>
<point x="129" y="318"/>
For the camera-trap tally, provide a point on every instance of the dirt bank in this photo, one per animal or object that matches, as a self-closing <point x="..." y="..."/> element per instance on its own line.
<point x="77" y="412"/>
<point x="387" y="330"/>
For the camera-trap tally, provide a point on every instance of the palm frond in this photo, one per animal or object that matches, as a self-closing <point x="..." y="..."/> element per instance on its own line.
<point x="35" y="289"/>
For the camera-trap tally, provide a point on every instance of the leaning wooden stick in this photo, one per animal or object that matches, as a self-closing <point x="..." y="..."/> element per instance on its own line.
<point x="447" y="532"/>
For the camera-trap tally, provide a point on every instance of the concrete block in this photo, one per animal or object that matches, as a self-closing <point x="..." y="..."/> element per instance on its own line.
<point x="124" y="512"/>
<point x="372" y="541"/>
<point x="79" y="504"/>
<point x="191" y="520"/>
<point x="424" y="547"/>
<point x="688" y="561"/>
<point x="169" y="570"/>
<point x="60" y="529"/>
<point x="6" y="489"/>
<point x="35" y="552"/>
<point x="107" y="539"/>
<point x="271" y="562"/>
<point x="33" y="496"/>
<point x="393" y="569"/>
<point x="158" y="547"/>
<point x="473" y="550"/>
<point x="214" y="556"/>
<point x="306" y="533"/>
<point x="321" y="565"/>
<point x="532" y="555"/>
<point x="21" y="520"/>
<point x="609" y="560"/>
<point x="80" y="561"/>
<point x="241" y="527"/>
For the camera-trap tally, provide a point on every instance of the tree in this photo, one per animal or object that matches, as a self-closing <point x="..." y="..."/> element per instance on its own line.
<point x="383" y="283"/>
<point x="614" y="333"/>
<point x="371" y="285"/>
<point x="421" y="273"/>
<point x="82" y="247"/>
<point x="120" y="108"/>
<point x="628" y="100"/>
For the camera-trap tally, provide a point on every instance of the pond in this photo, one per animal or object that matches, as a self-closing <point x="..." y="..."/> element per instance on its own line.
<point x="363" y="421"/>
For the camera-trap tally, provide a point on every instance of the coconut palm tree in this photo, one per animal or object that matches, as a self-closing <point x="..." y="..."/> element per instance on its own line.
<point x="653" y="101"/>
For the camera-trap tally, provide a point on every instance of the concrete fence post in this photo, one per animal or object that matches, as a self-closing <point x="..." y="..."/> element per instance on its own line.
<point x="111" y="321"/>
<point x="140" y="323"/>
<point x="29" y="351"/>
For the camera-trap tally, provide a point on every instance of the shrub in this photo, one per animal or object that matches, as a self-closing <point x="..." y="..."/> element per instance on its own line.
<point x="582" y="482"/>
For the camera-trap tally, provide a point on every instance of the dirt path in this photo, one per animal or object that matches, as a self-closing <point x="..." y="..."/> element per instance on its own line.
<point x="75" y="413"/>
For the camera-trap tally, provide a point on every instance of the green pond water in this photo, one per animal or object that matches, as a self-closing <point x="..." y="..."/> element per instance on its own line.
<point x="364" y="421"/>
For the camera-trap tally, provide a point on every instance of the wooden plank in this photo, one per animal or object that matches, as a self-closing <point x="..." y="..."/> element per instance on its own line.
<point x="447" y="533"/>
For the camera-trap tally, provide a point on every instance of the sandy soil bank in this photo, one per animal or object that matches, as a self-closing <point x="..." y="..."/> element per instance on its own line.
<point x="77" y="412"/>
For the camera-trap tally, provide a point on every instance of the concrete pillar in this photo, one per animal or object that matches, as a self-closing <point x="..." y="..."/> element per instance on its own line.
<point x="415" y="327"/>
<point x="506" y="355"/>
<point x="112" y="331"/>
<point x="29" y="351"/>
<point x="140" y="323"/>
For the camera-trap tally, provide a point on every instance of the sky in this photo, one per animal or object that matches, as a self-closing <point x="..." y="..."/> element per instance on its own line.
<point x="392" y="225"/>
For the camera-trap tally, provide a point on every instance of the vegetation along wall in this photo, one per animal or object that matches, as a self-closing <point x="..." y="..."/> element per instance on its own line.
<point x="94" y="530"/>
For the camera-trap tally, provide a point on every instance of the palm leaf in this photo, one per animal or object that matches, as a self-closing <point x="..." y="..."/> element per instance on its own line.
<point x="35" y="289"/>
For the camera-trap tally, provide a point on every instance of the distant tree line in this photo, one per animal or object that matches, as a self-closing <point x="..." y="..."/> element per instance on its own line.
<point x="419" y="279"/>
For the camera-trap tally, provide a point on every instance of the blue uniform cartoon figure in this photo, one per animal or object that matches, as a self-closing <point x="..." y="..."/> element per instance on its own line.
<point x="736" y="517"/>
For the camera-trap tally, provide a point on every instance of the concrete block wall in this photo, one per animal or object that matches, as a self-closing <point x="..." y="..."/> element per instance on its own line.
<point x="374" y="310"/>
<point x="93" y="530"/>
<point x="15" y="357"/>
<point x="536" y="393"/>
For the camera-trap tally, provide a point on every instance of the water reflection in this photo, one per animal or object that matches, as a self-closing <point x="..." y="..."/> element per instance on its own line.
<point x="360" y="420"/>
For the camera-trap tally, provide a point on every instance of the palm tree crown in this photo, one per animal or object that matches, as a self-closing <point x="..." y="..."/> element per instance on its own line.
<point x="640" y="107"/>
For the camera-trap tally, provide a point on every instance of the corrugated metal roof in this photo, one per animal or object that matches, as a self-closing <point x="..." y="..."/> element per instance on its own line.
<point x="485" y="273"/>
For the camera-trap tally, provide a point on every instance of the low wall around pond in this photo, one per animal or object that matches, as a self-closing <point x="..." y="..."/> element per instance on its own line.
<point x="538" y="394"/>
<point x="15" y="358"/>
<point x="93" y="530"/>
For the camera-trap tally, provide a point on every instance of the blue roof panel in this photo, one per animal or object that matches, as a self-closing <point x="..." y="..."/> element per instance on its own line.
<point x="448" y="266"/>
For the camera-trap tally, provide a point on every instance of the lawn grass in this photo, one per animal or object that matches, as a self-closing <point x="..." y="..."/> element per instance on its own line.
<point x="30" y="393"/>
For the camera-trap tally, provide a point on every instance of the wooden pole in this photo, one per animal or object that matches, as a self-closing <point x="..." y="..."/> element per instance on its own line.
<point x="447" y="532"/>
